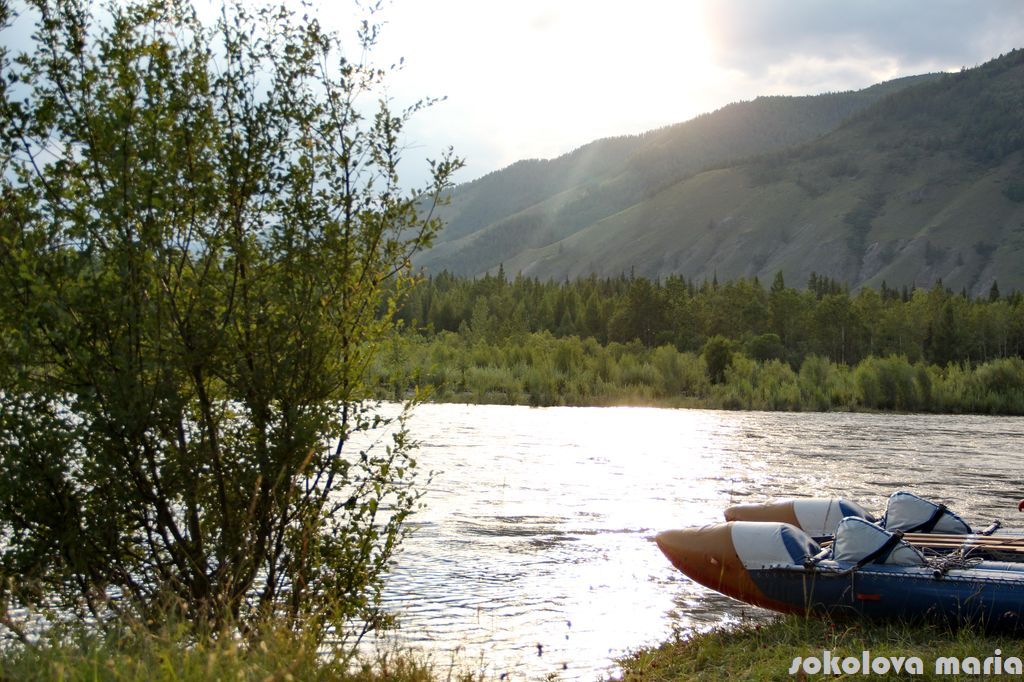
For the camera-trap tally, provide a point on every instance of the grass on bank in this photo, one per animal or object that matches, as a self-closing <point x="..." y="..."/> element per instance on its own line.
<point x="170" y="656"/>
<point x="766" y="651"/>
<point x="763" y="651"/>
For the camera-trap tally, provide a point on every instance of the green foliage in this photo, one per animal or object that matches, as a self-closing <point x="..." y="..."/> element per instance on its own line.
<point x="999" y="386"/>
<point x="196" y="279"/>
<point x="540" y="369"/>
<point x="890" y="383"/>
<point x="679" y="374"/>
<point x="815" y="380"/>
<point x="783" y="323"/>
<point x="822" y="332"/>
<point x="641" y="314"/>
<point x="778" y="386"/>
<point x="718" y="356"/>
<point x="765" y="347"/>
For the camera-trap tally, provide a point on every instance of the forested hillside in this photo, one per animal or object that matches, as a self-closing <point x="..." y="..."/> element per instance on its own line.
<point x="734" y="345"/>
<point x="737" y="345"/>
<point x="821" y="317"/>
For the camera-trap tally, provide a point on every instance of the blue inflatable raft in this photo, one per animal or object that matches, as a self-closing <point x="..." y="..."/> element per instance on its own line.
<point x="866" y="571"/>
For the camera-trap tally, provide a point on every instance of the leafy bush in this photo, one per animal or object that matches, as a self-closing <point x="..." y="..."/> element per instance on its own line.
<point x="196" y="282"/>
<point x="627" y="373"/>
<point x="718" y="355"/>
<point x="888" y="384"/>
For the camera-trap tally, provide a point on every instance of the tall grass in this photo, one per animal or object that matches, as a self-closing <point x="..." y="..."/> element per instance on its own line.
<point x="171" y="655"/>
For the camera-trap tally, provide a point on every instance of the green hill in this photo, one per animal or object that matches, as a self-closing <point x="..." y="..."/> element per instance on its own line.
<point x="908" y="181"/>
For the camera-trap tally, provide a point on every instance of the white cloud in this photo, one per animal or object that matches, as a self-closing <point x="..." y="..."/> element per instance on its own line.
<point x="916" y="34"/>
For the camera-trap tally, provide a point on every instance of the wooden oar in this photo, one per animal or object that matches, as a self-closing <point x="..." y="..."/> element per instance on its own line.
<point x="969" y="547"/>
<point x="950" y="542"/>
<point x="974" y="540"/>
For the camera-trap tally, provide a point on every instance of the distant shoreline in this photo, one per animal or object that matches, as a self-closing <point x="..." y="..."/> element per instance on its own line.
<point x="540" y="370"/>
<point x="688" y="404"/>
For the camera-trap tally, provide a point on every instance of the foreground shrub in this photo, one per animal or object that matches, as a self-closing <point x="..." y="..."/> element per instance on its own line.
<point x="888" y="384"/>
<point x="195" y="282"/>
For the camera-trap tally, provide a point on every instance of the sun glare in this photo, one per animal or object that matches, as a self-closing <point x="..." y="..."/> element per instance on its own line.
<point x="649" y="62"/>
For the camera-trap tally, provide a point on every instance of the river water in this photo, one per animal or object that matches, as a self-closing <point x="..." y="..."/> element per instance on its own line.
<point x="534" y="553"/>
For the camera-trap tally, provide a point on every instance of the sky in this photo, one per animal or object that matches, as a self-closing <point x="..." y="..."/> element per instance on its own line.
<point x="538" y="78"/>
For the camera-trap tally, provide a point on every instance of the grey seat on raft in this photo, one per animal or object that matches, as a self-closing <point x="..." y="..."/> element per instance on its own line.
<point x="857" y="539"/>
<point x="764" y="545"/>
<point x="912" y="514"/>
<point x="819" y="517"/>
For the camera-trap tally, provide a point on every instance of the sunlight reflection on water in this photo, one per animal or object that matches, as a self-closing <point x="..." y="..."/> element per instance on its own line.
<point x="534" y="554"/>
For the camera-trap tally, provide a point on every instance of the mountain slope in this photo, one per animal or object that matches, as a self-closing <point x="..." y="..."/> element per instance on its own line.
<point x="908" y="182"/>
<point x="535" y="203"/>
<point x="925" y="185"/>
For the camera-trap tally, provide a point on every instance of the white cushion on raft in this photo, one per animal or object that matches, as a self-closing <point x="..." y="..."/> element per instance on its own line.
<point x="762" y="545"/>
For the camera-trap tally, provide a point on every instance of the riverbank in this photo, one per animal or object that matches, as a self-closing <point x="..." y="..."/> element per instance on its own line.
<point x="540" y="369"/>
<point x="167" y="656"/>
<point x="795" y="648"/>
<point x="790" y="648"/>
